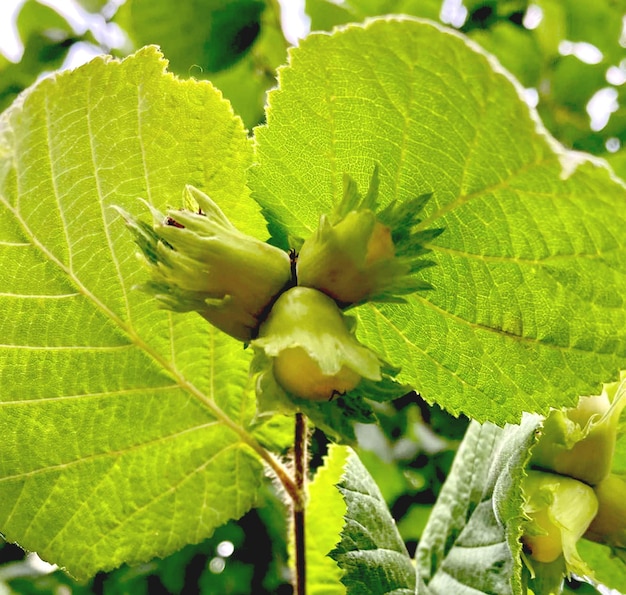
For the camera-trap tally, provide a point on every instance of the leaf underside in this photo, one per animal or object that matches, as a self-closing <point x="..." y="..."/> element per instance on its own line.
<point x="471" y="542"/>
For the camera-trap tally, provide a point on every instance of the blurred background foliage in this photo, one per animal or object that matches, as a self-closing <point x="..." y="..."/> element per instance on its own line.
<point x="570" y="58"/>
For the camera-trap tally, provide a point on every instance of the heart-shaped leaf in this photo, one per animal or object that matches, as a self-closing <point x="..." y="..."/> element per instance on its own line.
<point x="125" y="429"/>
<point x="527" y="310"/>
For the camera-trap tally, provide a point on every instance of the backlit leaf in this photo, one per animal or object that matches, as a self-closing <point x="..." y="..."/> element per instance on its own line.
<point x="527" y="310"/>
<point x="123" y="426"/>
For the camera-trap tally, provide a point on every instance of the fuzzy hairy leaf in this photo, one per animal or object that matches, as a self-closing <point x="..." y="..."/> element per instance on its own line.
<point x="123" y="426"/>
<point x="527" y="310"/>
<point x="326" y="14"/>
<point x="471" y="542"/>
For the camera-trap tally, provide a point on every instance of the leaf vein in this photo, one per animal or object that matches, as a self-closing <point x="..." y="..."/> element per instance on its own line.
<point x="68" y="347"/>
<point x="151" y="501"/>
<point x="412" y="345"/>
<point x="105" y="227"/>
<point x="53" y="181"/>
<point x="98" y="395"/>
<point x="40" y="297"/>
<point x="103" y="455"/>
<point x="14" y="244"/>
<point x="523" y="260"/>
<point x="500" y="185"/>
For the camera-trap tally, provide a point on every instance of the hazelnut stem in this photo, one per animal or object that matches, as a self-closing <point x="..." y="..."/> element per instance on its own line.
<point x="299" y="503"/>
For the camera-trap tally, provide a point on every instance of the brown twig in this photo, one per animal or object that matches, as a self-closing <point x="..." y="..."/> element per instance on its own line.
<point x="299" y="503"/>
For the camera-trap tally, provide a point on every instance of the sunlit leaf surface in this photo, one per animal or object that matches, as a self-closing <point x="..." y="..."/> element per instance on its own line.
<point x="527" y="309"/>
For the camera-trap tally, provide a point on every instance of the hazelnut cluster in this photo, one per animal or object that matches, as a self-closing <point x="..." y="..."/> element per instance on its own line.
<point x="289" y="307"/>
<point x="570" y="491"/>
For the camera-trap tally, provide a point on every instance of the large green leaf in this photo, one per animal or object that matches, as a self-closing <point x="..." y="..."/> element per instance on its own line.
<point x="471" y="542"/>
<point x="35" y="18"/>
<point x="534" y="55"/>
<point x="515" y="47"/>
<point x="93" y="5"/>
<point x="529" y="283"/>
<point x="618" y="162"/>
<point x="123" y="427"/>
<point x="245" y="84"/>
<point x="598" y="23"/>
<point x="47" y="37"/>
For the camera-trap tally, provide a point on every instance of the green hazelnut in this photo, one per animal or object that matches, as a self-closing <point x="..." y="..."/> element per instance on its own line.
<point x="609" y="525"/>
<point x="580" y="442"/>
<point x="361" y="253"/>
<point x="298" y="373"/>
<point x="313" y="352"/>
<point x="559" y="510"/>
<point x="198" y="261"/>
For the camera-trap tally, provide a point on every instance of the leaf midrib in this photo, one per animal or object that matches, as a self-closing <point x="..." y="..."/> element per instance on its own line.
<point x="134" y="338"/>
